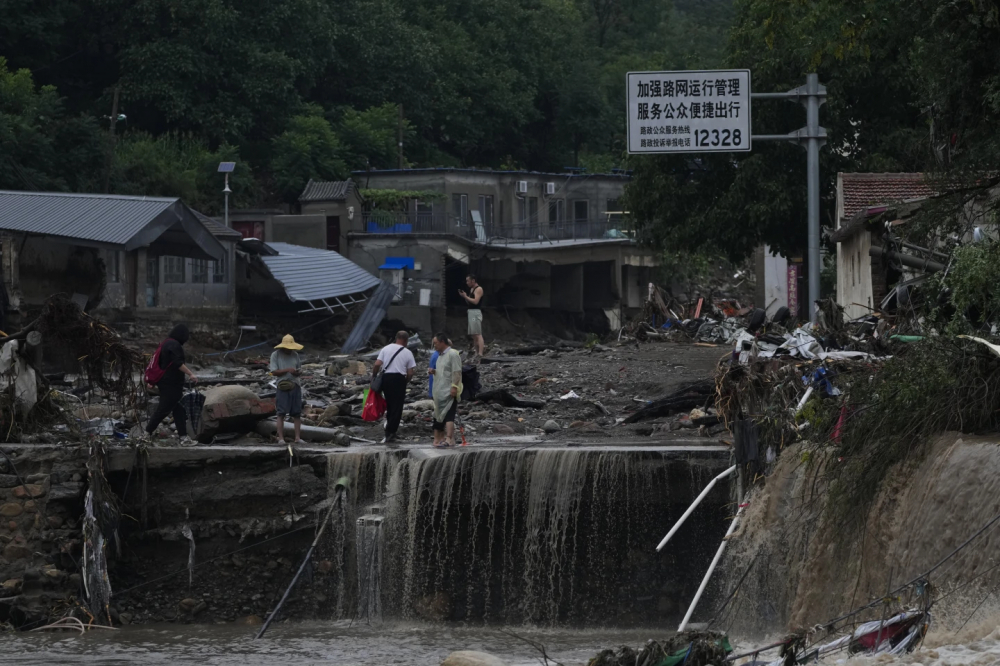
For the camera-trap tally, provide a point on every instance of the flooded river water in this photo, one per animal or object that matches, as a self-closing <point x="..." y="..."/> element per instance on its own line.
<point x="300" y="643"/>
<point x="338" y="644"/>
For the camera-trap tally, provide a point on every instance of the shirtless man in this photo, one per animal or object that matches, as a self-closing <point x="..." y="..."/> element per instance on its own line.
<point x="474" y="299"/>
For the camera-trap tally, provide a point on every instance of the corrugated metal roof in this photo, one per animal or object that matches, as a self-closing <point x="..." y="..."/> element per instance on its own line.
<point x="374" y="313"/>
<point x="100" y="218"/>
<point x="309" y="274"/>
<point x="326" y="190"/>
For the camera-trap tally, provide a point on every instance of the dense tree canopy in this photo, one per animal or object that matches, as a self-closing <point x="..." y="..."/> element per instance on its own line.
<point x="295" y="89"/>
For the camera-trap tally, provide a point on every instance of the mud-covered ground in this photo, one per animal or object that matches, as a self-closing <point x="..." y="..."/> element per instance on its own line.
<point x="586" y="392"/>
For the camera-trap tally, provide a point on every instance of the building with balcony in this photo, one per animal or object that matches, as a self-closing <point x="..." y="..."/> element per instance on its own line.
<point x="551" y="241"/>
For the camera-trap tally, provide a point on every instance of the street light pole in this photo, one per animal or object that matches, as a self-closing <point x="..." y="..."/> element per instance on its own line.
<point x="226" y="168"/>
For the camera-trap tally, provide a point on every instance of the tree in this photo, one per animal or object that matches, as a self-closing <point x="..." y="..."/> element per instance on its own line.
<point x="41" y="147"/>
<point x="309" y="148"/>
<point x="734" y="202"/>
<point x="370" y="137"/>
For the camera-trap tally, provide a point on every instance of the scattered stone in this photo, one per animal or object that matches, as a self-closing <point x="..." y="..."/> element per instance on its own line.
<point x="30" y="490"/>
<point x="551" y="426"/>
<point x="11" y="509"/>
<point x="409" y="415"/>
<point x="125" y="618"/>
<point x="697" y="414"/>
<point x="191" y="606"/>
<point x="472" y="658"/>
<point x="16" y="551"/>
<point x="502" y="429"/>
<point x="252" y="620"/>
<point x="325" y="566"/>
<point x="479" y="414"/>
<point x="355" y="368"/>
<point x="54" y="522"/>
<point x="422" y="405"/>
<point x="11" y="585"/>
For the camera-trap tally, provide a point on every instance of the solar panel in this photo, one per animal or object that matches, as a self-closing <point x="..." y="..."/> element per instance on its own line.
<point x="227" y="167"/>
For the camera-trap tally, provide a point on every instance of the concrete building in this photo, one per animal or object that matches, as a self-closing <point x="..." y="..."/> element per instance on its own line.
<point x="129" y="258"/>
<point x="863" y="273"/>
<point x="539" y="241"/>
<point x="326" y="211"/>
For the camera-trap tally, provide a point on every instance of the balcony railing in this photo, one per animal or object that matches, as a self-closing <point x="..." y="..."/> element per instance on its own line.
<point x="485" y="232"/>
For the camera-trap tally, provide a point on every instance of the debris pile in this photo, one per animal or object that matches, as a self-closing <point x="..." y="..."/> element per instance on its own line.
<point x="694" y="648"/>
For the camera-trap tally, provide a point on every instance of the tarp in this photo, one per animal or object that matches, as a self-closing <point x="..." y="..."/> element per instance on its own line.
<point x="396" y="263"/>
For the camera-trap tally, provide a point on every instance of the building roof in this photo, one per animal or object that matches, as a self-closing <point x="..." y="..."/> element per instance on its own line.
<point x="326" y="190"/>
<point x="861" y="190"/>
<point x="216" y="228"/>
<point x="309" y="274"/>
<point x="621" y="173"/>
<point x="110" y="220"/>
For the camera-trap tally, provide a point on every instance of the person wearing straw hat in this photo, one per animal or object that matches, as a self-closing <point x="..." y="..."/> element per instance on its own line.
<point x="287" y="366"/>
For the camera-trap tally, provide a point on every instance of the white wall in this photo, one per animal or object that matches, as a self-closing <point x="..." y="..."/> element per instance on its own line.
<point x="775" y="282"/>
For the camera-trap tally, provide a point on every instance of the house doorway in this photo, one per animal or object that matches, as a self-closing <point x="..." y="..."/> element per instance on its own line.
<point x="152" y="282"/>
<point x="333" y="233"/>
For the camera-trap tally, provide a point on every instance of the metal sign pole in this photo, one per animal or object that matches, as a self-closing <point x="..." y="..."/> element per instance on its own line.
<point x="812" y="137"/>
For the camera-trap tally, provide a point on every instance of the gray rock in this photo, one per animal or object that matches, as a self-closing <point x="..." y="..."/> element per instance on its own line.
<point x="472" y="658"/>
<point x="551" y="426"/>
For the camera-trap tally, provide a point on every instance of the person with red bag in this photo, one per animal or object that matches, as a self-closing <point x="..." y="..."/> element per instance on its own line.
<point x="397" y="365"/>
<point x="166" y="372"/>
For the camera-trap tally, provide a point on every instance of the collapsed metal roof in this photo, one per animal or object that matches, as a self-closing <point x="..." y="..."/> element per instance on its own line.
<point x="165" y="224"/>
<point x="314" y="276"/>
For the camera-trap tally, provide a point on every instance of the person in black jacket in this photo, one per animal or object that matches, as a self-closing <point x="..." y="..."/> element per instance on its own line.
<point x="171" y="385"/>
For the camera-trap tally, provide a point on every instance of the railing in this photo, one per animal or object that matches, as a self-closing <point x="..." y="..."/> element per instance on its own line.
<point x="378" y="222"/>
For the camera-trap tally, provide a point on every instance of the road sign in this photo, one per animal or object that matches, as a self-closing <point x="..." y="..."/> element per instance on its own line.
<point x="698" y="111"/>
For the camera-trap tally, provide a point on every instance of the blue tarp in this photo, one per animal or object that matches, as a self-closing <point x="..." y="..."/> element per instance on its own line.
<point x="395" y="263"/>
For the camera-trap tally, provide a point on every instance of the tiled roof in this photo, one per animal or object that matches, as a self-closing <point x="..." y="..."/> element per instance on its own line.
<point x="861" y="190"/>
<point x="217" y="229"/>
<point x="326" y="190"/>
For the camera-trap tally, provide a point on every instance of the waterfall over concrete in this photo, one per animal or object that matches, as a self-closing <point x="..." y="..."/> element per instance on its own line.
<point x="527" y="535"/>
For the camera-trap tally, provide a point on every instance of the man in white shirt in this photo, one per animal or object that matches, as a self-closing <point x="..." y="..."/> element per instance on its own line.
<point x="399" y="367"/>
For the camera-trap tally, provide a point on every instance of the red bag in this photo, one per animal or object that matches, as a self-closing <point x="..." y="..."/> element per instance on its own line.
<point x="374" y="407"/>
<point x="154" y="373"/>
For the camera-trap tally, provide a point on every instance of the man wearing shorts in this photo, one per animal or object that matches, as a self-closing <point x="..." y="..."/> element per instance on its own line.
<point x="474" y="299"/>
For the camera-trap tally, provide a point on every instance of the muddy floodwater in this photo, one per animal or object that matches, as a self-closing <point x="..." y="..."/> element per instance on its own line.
<point x="300" y="643"/>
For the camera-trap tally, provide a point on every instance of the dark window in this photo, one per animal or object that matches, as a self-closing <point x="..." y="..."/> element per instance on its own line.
<point x="581" y="210"/>
<point x="173" y="270"/>
<point x="199" y="271"/>
<point x="557" y="211"/>
<point x="219" y="270"/>
<point x="460" y="208"/>
<point x="112" y="262"/>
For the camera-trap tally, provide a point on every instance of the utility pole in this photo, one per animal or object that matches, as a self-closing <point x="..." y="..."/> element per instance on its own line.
<point x="812" y="137"/>
<point x="400" y="136"/>
<point x="112" y="121"/>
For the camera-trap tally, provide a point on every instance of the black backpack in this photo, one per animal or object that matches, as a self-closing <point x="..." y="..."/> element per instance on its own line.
<point x="470" y="383"/>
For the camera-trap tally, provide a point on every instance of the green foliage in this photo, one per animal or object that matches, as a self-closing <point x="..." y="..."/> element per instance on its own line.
<point x="370" y="137"/>
<point x="927" y="388"/>
<point x="536" y="84"/>
<point x="41" y="146"/>
<point x="309" y="148"/>
<point x="179" y="166"/>
<point x="969" y="298"/>
<point x="396" y="200"/>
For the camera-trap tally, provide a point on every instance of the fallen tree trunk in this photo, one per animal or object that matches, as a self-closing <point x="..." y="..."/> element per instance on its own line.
<point x="505" y="398"/>
<point x="688" y="397"/>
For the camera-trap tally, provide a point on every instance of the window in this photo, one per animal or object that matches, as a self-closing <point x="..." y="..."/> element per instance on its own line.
<point x="614" y="210"/>
<point x="219" y="270"/>
<point x="581" y="210"/>
<point x="112" y="264"/>
<point x="486" y="208"/>
<point x="557" y="211"/>
<point x="460" y="208"/>
<point x="199" y="271"/>
<point x="522" y="210"/>
<point x="532" y="210"/>
<point x="173" y="270"/>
